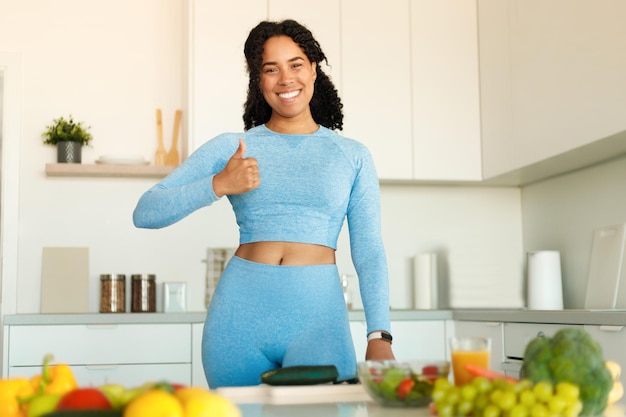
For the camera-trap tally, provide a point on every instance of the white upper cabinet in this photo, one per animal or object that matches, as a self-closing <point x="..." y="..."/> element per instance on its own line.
<point x="376" y="82"/>
<point x="406" y="73"/>
<point x="445" y="90"/>
<point x="217" y="78"/>
<point x="553" y="83"/>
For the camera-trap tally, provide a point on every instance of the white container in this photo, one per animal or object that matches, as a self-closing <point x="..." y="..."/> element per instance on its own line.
<point x="425" y="291"/>
<point x="545" y="289"/>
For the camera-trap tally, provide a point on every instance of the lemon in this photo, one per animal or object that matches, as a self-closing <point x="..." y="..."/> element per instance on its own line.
<point x="154" y="403"/>
<point x="200" y="402"/>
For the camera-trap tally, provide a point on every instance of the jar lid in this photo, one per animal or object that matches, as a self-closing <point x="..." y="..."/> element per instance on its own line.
<point x="117" y="277"/>
<point x="149" y="277"/>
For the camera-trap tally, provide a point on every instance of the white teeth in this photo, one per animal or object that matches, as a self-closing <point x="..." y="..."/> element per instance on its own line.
<point x="290" y="94"/>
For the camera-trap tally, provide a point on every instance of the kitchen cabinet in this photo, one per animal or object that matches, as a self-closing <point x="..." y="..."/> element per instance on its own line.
<point x="409" y="88"/>
<point x="552" y="85"/>
<point x="129" y="354"/>
<point x="197" y="370"/>
<point x="445" y="101"/>
<point x="413" y="339"/>
<point x="376" y="82"/>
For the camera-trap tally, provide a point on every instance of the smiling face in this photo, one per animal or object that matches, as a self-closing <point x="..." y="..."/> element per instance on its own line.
<point x="287" y="82"/>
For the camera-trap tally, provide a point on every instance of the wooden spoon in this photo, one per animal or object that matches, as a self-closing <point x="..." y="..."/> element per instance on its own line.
<point x="172" y="157"/>
<point x="159" y="157"/>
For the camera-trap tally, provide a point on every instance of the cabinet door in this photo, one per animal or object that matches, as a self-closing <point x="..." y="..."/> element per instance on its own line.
<point x="445" y="90"/>
<point x="565" y="62"/>
<point x="218" y="81"/>
<point x="376" y="82"/>
<point x="198" y="379"/>
<point x="488" y="329"/>
<point x="100" y="344"/>
<point x="127" y="375"/>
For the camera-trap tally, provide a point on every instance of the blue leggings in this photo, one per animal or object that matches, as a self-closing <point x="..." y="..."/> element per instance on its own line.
<point x="263" y="317"/>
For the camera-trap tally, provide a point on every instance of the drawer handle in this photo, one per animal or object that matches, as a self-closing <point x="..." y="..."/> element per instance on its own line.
<point x="607" y="328"/>
<point x="101" y="326"/>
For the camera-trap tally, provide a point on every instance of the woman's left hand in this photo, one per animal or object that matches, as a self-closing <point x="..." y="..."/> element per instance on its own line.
<point x="378" y="350"/>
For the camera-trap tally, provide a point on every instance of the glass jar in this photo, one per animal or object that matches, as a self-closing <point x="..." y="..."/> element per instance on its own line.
<point x="112" y="293"/>
<point x="143" y="297"/>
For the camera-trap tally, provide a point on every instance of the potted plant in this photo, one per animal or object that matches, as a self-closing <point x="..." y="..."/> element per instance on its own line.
<point x="69" y="137"/>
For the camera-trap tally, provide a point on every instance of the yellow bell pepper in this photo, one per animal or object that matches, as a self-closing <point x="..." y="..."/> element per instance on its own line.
<point x="11" y="391"/>
<point x="54" y="379"/>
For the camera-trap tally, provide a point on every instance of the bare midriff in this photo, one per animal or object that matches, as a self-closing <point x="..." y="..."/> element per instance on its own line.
<point x="286" y="253"/>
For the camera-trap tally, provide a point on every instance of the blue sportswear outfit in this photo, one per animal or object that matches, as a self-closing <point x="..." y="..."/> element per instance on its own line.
<point x="262" y="316"/>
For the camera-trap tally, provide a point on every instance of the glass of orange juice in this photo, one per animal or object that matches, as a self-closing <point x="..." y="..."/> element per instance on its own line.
<point x="464" y="350"/>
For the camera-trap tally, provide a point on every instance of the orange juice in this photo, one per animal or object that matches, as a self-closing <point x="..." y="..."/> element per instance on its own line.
<point x="462" y="357"/>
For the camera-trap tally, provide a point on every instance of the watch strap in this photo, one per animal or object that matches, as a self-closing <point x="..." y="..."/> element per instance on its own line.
<point x="379" y="335"/>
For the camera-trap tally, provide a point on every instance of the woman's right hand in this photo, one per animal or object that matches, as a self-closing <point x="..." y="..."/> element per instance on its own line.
<point x="239" y="176"/>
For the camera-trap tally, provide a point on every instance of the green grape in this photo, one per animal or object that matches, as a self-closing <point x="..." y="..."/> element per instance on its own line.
<point x="573" y="410"/>
<point x="481" y="401"/>
<point x="494" y="396"/>
<point x="539" y="410"/>
<point x="567" y="390"/>
<point x="507" y="400"/>
<point x="465" y="407"/>
<point x="522" y="385"/>
<point x="438" y="394"/>
<point x="557" y="404"/>
<point x="469" y="392"/>
<point x="445" y="410"/>
<point x="453" y="395"/>
<point x="491" y="410"/>
<point x="482" y="384"/>
<point x="518" y="410"/>
<point x="543" y="391"/>
<point x="442" y="384"/>
<point x="527" y="398"/>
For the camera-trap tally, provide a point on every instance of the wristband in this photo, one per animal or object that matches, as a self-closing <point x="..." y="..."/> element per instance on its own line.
<point x="379" y="335"/>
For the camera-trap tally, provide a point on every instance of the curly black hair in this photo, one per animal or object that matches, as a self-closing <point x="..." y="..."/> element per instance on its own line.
<point x="325" y="104"/>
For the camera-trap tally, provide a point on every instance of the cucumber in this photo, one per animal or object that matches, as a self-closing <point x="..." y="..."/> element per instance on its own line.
<point x="301" y="375"/>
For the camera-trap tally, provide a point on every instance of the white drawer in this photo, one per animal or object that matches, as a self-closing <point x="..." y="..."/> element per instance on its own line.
<point x="127" y="375"/>
<point x="100" y="344"/>
<point x="518" y="335"/>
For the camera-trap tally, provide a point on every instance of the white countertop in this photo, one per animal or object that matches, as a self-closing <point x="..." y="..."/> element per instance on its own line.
<point x="591" y="317"/>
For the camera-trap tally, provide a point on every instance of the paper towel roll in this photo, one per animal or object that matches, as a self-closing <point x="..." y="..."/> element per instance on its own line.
<point x="545" y="291"/>
<point x="425" y="281"/>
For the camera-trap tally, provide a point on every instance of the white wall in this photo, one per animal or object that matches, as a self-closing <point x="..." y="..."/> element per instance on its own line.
<point x="111" y="64"/>
<point x="561" y="214"/>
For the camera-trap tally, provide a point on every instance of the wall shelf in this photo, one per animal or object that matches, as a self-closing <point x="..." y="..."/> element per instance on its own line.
<point x="108" y="170"/>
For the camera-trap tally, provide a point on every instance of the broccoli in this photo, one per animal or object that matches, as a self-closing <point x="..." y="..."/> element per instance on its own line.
<point x="571" y="355"/>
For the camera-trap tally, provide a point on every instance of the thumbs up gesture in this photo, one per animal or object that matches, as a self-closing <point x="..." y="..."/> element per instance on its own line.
<point x="240" y="174"/>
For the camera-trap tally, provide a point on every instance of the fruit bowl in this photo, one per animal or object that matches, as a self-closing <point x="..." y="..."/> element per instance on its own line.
<point x="402" y="383"/>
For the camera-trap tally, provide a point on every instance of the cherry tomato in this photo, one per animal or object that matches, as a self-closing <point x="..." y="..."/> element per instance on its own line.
<point x="404" y="388"/>
<point x="430" y="372"/>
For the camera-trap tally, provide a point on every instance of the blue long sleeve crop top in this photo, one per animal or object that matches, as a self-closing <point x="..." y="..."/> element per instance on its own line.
<point x="310" y="184"/>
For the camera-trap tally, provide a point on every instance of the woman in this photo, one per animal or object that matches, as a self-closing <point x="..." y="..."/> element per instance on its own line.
<point x="291" y="181"/>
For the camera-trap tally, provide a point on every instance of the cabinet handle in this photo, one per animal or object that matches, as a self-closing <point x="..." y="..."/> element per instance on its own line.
<point x="101" y="326"/>
<point x="607" y="328"/>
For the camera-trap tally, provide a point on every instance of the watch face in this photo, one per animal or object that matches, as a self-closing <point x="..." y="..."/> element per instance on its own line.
<point x="386" y="336"/>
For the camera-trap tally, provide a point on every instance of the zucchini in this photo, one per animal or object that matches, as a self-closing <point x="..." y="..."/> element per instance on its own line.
<point x="301" y="375"/>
